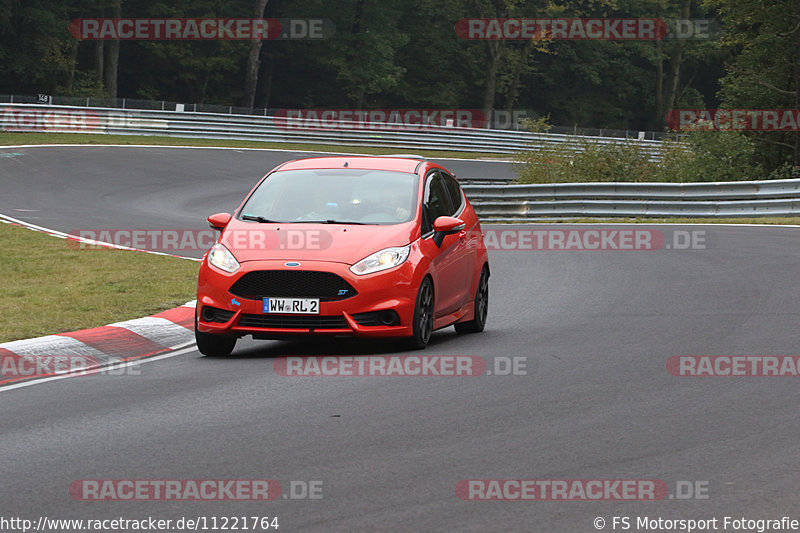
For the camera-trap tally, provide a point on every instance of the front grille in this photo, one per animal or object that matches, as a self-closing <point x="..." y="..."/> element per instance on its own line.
<point x="293" y="322"/>
<point x="292" y="284"/>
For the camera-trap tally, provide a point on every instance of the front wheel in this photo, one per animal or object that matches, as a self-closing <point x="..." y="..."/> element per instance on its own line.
<point x="478" y="322"/>
<point x="213" y="345"/>
<point x="423" y="316"/>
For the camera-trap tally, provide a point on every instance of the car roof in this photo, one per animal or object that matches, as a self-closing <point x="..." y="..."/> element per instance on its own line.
<point x="399" y="163"/>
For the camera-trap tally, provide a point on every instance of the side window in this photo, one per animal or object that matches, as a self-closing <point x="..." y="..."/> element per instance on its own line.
<point x="437" y="200"/>
<point x="455" y="193"/>
<point x="427" y="225"/>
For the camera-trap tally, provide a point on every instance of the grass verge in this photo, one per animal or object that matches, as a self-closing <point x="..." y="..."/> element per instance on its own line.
<point x="11" y="139"/>
<point x="51" y="287"/>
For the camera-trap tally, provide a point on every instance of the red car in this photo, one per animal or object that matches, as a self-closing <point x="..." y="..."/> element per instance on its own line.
<point x="354" y="246"/>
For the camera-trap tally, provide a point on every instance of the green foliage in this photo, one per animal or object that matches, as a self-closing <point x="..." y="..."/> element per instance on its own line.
<point x="384" y="53"/>
<point x="538" y="125"/>
<point x="582" y="160"/>
<point x="711" y="156"/>
<point x="764" y="69"/>
<point x="365" y="45"/>
<point x="406" y="54"/>
<point x="783" y="172"/>
<point x="34" y="45"/>
<point x="697" y="156"/>
<point x="85" y="84"/>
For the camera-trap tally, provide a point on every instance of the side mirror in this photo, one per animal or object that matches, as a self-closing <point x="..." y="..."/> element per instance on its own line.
<point x="444" y="226"/>
<point x="218" y="221"/>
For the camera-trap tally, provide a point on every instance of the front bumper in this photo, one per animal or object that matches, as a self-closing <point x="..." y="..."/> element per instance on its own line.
<point x="390" y="290"/>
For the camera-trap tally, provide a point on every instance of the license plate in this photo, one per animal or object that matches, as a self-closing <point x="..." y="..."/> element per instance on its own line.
<point x="293" y="306"/>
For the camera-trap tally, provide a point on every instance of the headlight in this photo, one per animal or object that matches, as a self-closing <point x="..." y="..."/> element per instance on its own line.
<point x="388" y="258"/>
<point x="222" y="258"/>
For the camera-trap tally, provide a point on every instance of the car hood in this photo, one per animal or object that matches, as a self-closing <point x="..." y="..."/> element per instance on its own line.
<point x="340" y="243"/>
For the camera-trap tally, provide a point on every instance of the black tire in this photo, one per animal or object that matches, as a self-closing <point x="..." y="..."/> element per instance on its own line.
<point x="478" y="323"/>
<point x="213" y="345"/>
<point x="423" y="316"/>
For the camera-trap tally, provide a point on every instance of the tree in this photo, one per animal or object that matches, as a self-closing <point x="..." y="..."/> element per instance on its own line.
<point x="35" y="47"/>
<point x="494" y="48"/>
<point x="387" y="53"/>
<point x="365" y="56"/>
<point x="112" y="66"/>
<point x="764" y="69"/>
<point x="253" y="61"/>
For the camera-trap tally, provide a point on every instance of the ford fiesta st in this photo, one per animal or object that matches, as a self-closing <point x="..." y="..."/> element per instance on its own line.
<point x="350" y="246"/>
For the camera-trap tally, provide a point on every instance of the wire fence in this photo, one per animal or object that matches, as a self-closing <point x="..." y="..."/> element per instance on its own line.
<point x="166" y="105"/>
<point x="24" y="117"/>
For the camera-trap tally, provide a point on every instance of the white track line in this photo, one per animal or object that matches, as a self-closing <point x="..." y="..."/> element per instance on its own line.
<point x="2" y="147"/>
<point x="66" y="236"/>
<point x="180" y="350"/>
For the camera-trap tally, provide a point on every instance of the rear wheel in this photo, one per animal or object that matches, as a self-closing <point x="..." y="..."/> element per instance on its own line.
<point x="423" y="316"/>
<point x="478" y="323"/>
<point x="213" y="345"/>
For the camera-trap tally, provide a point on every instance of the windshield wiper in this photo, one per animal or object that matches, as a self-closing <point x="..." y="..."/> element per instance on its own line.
<point x="255" y="218"/>
<point x="329" y="221"/>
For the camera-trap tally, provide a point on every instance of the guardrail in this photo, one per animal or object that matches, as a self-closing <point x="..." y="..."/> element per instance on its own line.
<point x="27" y="117"/>
<point x="607" y="200"/>
<point x="164" y="105"/>
<point x="493" y="202"/>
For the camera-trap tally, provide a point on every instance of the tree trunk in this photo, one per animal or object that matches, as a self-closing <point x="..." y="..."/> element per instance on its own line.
<point x="354" y="51"/>
<point x="268" y="84"/>
<point x="113" y="57"/>
<point x="491" y="81"/>
<point x="513" y="90"/>
<point x="501" y="11"/>
<point x="73" y="61"/>
<point x="673" y="81"/>
<point x="99" y="60"/>
<point x="659" y="118"/>
<point x="675" y="63"/>
<point x="253" y="61"/>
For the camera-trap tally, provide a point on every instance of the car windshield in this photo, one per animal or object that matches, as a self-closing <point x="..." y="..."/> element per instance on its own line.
<point x="342" y="196"/>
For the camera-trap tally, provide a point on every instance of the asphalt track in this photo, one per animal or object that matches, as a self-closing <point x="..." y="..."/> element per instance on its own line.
<point x="596" y="329"/>
<point x="73" y="188"/>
